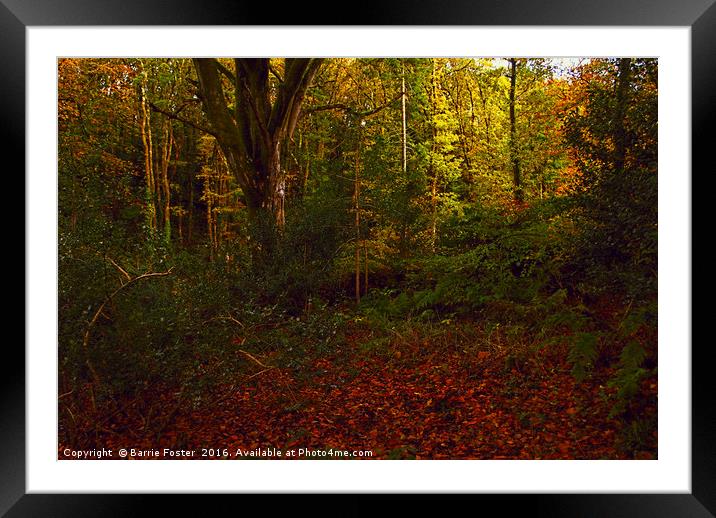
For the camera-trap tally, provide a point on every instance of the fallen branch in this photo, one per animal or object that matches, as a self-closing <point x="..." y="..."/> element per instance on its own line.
<point x="259" y="373"/>
<point x="85" y="341"/>
<point x="254" y="359"/>
<point x="227" y="317"/>
<point x="268" y="368"/>
<point x="124" y="272"/>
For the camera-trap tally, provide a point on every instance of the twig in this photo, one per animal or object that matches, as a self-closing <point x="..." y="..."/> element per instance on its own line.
<point x="67" y="407"/>
<point x="254" y="359"/>
<point x="175" y="116"/>
<point x="230" y="392"/>
<point x="227" y="317"/>
<point x="258" y="373"/>
<point x="129" y="277"/>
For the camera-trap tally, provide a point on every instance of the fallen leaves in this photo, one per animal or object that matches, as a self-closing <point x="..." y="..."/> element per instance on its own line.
<point x="433" y="406"/>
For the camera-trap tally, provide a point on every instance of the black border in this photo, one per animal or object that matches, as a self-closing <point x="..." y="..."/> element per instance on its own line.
<point x="700" y="15"/>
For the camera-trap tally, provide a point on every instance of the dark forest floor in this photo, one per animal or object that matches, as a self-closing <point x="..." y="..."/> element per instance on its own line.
<point x="417" y="399"/>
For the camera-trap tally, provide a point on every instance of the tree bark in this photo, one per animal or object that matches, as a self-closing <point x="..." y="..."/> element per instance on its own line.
<point x="146" y="129"/>
<point x="405" y="128"/>
<point x="432" y="169"/>
<point x="356" y="207"/>
<point x="514" y="155"/>
<point x="251" y="136"/>
<point x="166" y="195"/>
<point x="620" y="137"/>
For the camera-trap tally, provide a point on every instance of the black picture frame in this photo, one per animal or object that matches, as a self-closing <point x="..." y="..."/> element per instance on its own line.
<point x="700" y="15"/>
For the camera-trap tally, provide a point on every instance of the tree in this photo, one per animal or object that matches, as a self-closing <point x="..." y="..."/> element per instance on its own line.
<point x="620" y="137"/>
<point x="444" y="164"/>
<point x="253" y="131"/>
<point x="612" y="130"/>
<point x="514" y="154"/>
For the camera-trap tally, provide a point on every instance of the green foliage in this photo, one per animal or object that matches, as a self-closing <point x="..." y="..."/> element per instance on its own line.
<point x="152" y="331"/>
<point x="616" y="209"/>
<point x="288" y="267"/>
<point x="318" y="331"/>
<point x="574" y="268"/>
<point x="582" y="354"/>
<point x="629" y="374"/>
<point x="510" y="271"/>
<point x="638" y="435"/>
<point x="636" y="361"/>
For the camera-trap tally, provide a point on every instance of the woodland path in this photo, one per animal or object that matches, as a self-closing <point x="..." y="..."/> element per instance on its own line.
<point x="415" y="404"/>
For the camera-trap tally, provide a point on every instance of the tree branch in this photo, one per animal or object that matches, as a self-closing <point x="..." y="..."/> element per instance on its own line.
<point x="231" y="77"/>
<point x="254" y="359"/>
<point x="175" y="116"/>
<point x="85" y="341"/>
<point x="122" y="270"/>
<point x="275" y="73"/>
<point x="351" y="110"/>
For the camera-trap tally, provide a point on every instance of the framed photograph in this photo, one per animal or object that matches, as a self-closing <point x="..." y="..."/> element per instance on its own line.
<point x="399" y="241"/>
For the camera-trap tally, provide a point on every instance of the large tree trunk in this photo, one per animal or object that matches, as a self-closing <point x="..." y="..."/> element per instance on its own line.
<point x="251" y="135"/>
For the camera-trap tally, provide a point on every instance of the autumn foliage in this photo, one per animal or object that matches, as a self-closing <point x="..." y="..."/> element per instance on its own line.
<point x="444" y="259"/>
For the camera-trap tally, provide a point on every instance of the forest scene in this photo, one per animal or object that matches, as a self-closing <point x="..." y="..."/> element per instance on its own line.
<point x="357" y="258"/>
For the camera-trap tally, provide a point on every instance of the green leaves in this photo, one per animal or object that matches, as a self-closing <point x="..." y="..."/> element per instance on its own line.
<point x="583" y="353"/>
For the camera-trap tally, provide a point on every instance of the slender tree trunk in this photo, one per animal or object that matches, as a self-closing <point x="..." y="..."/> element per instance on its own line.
<point x="405" y="127"/>
<point x="190" y="218"/>
<point x="306" y="169"/>
<point x="433" y="172"/>
<point x="485" y="113"/>
<point x="403" y="95"/>
<point x="462" y="132"/>
<point x="180" y="223"/>
<point x="620" y="137"/>
<point x="365" y="261"/>
<point x="356" y="207"/>
<point x="514" y="155"/>
<point x="166" y="157"/>
<point x="209" y="214"/>
<point x="157" y="153"/>
<point x="178" y="208"/>
<point x="146" y="129"/>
